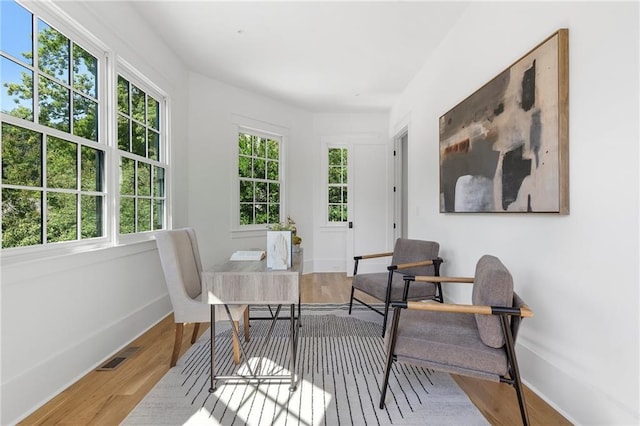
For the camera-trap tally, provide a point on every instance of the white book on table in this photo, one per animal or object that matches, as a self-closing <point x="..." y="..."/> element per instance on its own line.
<point x="248" y="255"/>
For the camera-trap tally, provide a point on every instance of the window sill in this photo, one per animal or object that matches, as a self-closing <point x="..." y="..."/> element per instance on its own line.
<point x="248" y="233"/>
<point x="17" y="266"/>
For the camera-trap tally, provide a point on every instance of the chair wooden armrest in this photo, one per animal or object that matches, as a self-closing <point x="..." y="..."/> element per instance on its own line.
<point x="428" y="278"/>
<point x="523" y="311"/>
<point x="372" y="256"/>
<point x="357" y="259"/>
<point x="414" y="264"/>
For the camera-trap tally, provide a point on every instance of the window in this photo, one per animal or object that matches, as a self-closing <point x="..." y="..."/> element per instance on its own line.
<point x="52" y="151"/>
<point x="337" y="185"/>
<point x="142" y="168"/>
<point x="259" y="179"/>
<point x="58" y="153"/>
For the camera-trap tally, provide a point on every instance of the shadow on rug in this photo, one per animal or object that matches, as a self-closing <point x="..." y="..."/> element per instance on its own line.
<point x="339" y="373"/>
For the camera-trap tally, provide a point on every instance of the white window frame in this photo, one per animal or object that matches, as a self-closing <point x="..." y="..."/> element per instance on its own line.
<point x="51" y="15"/>
<point x="327" y="185"/>
<point x="127" y="71"/>
<point x="243" y="124"/>
<point x="109" y="66"/>
<point x="327" y="143"/>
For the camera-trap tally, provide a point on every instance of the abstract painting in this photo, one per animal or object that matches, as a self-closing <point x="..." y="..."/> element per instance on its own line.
<point x="505" y="147"/>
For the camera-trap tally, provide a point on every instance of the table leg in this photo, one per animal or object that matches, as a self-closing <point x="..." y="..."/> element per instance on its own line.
<point x="213" y="349"/>
<point x="246" y="324"/>
<point x="236" y="343"/>
<point x="292" y="339"/>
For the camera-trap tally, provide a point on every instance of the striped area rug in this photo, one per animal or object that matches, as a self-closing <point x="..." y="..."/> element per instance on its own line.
<point x="340" y="368"/>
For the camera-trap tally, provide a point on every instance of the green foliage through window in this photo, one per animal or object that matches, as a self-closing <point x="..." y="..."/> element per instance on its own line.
<point x="337" y="185"/>
<point x="142" y="180"/>
<point x="138" y="121"/>
<point x="142" y="202"/>
<point x="259" y="179"/>
<point x="52" y="186"/>
<point x="54" y="159"/>
<point x="55" y="182"/>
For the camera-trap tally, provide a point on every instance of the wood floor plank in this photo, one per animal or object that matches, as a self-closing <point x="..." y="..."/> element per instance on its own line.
<point x="107" y="397"/>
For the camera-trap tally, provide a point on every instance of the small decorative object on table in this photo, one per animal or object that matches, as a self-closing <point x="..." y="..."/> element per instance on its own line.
<point x="279" y="250"/>
<point x="282" y="241"/>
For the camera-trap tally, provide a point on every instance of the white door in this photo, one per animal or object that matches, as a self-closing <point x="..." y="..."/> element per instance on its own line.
<point x="369" y="205"/>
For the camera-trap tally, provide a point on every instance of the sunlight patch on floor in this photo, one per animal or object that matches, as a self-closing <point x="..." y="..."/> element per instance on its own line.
<point x="276" y="404"/>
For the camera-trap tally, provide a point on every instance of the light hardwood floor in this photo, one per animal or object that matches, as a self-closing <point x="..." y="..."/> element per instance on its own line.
<point x="106" y="397"/>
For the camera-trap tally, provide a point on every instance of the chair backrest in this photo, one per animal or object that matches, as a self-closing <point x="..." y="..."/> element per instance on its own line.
<point x="181" y="264"/>
<point x="406" y="251"/>
<point x="493" y="286"/>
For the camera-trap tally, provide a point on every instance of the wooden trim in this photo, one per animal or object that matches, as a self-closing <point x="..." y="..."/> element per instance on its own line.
<point x="526" y="312"/>
<point x="374" y="255"/>
<point x="563" y="119"/>
<point x="428" y="278"/>
<point x="463" y="309"/>
<point x="410" y="264"/>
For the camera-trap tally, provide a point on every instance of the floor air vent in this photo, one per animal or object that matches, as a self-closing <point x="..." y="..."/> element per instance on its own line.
<point x="118" y="359"/>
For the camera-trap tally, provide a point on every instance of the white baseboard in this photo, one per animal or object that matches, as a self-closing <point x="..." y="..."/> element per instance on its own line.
<point x="574" y="397"/>
<point x="328" y="265"/>
<point x="24" y="394"/>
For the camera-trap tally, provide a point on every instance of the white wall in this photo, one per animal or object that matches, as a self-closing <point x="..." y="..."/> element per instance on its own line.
<point x="214" y="107"/>
<point x="63" y="316"/>
<point x="214" y="110"/>
<point x="579" y="273"/>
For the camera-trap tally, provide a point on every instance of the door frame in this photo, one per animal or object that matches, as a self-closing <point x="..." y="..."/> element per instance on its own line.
<point x="400" y="179"/>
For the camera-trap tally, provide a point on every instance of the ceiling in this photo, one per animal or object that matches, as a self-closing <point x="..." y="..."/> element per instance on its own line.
<point x="321" y="56"/>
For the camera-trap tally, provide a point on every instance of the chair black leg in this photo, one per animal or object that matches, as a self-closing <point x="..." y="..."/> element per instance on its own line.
<point x="436" y="271"/>
<point x="521" y="401"/>
<point x="387" y="301"/>
<point x="392" y="347"/>
<point x="514" y="369"/>
<point x="351" y="299"/>
<point x="384" y="317"/>
<point x="355" y="272"/>
<point x="439" y="297"/>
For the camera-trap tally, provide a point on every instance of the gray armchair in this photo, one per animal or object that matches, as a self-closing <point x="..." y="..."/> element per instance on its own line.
<point x="409" y="257"/>
<point x="476" y="340"/>
<point x="181" y="265"/>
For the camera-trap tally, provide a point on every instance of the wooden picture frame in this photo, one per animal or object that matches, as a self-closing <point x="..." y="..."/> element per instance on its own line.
<point x="505" y="148"/>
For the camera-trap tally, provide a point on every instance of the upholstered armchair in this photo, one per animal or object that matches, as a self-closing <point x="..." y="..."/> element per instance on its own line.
<point x="412" y="257"/>
<point x="476" y="340"/>
<point x="181" y="265"/>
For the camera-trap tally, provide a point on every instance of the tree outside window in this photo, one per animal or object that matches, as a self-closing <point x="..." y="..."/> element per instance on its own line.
<point x="52" y="185"/>
<point x="259" y="179"/>
<point x="337" y="185"/>
<point x="142" y="173"/>
<point x="54" y="157"/>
